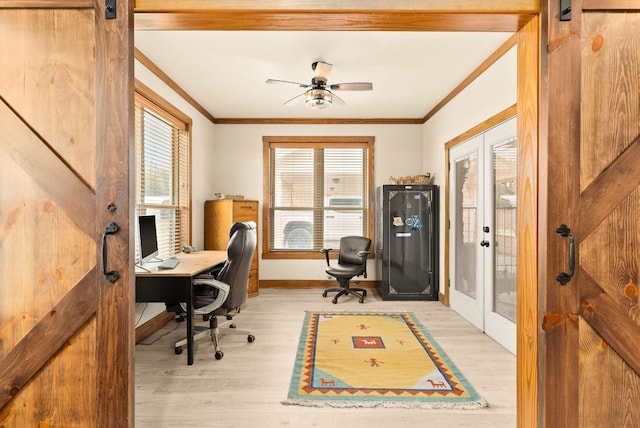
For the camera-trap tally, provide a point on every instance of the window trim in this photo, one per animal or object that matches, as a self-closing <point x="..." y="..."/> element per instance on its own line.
<point x="310" y="142"/>
<point x="149" y="98"/>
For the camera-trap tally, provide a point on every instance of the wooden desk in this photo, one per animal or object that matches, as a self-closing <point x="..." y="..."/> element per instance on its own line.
<point x="174" y="285"/>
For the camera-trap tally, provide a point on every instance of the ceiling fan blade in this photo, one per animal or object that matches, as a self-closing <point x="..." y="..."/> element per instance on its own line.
<point x="337" y="100"/>
<point x="322" y="70"/>
<point x="288" y="82"/>
<point x="353" y="86"/>
<point x="295" y="100"/>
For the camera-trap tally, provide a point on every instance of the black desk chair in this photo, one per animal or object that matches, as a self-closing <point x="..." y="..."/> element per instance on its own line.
<point x="225" y="292"/>
<point x="352" y="261"/>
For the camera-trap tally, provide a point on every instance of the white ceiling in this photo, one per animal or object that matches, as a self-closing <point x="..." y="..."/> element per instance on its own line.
<point x="225" y="71"/>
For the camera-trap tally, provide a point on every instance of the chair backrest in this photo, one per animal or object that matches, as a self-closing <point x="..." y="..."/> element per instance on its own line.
<point x="350" y="246"/>
<point x="235" y="272"/>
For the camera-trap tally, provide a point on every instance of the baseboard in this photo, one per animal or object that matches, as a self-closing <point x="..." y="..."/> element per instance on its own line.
<point x="288" y="283"/>
<point x="153" y="325"/>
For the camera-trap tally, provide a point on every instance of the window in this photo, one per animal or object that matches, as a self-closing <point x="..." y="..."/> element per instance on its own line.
<point x="317" y="190"/>
<point x="162" y="163"/>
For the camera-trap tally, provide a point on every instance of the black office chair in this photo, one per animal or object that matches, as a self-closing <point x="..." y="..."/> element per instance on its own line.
<point x="352" y="261"/>
<point x="224" y="293"/>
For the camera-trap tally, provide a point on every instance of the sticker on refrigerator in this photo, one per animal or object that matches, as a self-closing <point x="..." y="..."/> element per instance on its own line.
<point x="414" y="222"/>
<point x="397" y="221"/>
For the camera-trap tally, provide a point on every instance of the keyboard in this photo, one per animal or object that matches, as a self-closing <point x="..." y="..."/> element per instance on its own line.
<point x="169" y="263"/>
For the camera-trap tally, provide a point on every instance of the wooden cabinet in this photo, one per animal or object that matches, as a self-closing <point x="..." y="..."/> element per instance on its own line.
<point x="219" y="215"/>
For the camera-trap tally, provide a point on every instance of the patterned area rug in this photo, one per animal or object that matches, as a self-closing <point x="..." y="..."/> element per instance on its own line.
<point x="348" y="359"/>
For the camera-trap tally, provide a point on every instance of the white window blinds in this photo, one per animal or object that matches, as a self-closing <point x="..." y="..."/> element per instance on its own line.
<point x="162" y="175"/>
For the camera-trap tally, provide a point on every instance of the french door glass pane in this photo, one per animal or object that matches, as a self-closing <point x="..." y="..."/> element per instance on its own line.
<point x="504" y="275"/>
<point x="466" y="225"/>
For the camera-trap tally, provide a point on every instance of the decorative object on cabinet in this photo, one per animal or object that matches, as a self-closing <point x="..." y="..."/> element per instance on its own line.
<point x="219" y="215"/>
<point x="407" y="242"/>
<point x="411" y="179"/>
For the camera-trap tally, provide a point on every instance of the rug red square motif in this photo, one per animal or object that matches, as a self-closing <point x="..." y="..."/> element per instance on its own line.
<point x="367" y="342"/>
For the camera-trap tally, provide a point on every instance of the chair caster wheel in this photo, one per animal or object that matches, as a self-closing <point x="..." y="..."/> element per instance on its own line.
<point x="324" y="294"/>
<point x="178" y="350"/>
<point x="219" y="355"/>
<point x="334" y="301"/>
<point x="232" y="326"/>
<point x="251" y="338"/>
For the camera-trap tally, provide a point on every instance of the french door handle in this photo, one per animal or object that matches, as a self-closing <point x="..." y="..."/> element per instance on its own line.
<point x="111" y="275"/>
<point x="563" y="278"/>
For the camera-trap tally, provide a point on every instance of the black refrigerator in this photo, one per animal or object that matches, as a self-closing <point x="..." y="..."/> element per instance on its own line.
<point x="407" y="242"/>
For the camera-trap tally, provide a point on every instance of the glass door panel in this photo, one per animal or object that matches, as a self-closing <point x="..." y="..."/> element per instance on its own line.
<point x="504" y="269"/>
<point x="465" y="181"/>
<point x="467" y="224"/>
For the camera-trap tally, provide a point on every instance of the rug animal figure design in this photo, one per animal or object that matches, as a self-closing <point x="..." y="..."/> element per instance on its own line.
<point x="347" y="359"/>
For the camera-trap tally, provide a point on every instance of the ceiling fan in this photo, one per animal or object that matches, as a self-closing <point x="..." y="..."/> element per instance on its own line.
<point x="318" y="93"/>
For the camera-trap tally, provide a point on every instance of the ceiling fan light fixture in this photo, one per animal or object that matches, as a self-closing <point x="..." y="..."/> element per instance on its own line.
<point x="318" y="98"/>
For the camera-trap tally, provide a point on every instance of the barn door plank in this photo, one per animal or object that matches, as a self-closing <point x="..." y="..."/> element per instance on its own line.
<point x="610" y="188"/>
<point x="68" y="190"/>
<point x="51" y="333"/>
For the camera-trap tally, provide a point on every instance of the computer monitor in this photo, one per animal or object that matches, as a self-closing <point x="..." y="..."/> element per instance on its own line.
<point x="148" y="238"/>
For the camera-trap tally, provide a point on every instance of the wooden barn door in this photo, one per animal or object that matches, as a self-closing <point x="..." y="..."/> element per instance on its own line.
<point x="66" y="331"/>
<point x="591" y="327"/>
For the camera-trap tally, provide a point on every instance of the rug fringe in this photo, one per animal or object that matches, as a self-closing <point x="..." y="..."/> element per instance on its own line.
<point x="481" y="403"/>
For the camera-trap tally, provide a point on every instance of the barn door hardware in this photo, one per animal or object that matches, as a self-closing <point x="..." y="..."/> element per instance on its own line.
<point x="565" y="10"/>
<point x="110" y="9"/>
<point x="564" y="277"/>
<point x="111" y="275"/>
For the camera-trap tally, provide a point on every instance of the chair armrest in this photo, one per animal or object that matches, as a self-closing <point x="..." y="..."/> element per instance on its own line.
<point x="223" y="292"/>
<point x="326" y="252"/>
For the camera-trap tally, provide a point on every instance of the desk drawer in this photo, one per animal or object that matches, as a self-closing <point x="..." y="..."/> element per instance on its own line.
<point x="245" y="211"/>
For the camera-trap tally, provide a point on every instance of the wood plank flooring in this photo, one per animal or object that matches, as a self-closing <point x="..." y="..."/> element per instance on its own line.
<point x="244" y="389"/>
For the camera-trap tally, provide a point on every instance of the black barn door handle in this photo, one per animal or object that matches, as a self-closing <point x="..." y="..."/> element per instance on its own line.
<point x="111" y="275"/>
<point x="563" y="278"/>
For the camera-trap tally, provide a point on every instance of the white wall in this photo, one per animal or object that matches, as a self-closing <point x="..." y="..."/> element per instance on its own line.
<point x="492" y="92"/>
<point x="239" y="170"/>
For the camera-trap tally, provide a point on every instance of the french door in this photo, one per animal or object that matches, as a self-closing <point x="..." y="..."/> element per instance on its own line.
<point x="482" y="244"/>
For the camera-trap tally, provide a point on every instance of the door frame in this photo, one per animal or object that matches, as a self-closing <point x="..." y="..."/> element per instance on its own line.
<point x="520" y="16"/>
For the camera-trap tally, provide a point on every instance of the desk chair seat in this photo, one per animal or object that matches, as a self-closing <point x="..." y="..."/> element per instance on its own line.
<point x="352" y="262"/>
<point x="224" y="293"/>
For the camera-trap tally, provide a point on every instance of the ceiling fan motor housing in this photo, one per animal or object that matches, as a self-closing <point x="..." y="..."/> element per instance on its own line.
<point x="318" y="98"/>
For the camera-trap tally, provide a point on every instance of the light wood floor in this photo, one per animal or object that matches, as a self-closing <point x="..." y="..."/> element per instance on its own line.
<point x="244" y="389"/>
